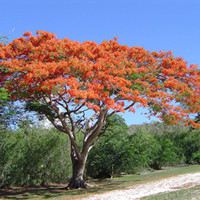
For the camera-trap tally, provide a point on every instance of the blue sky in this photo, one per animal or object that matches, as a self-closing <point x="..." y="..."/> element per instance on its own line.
<point x="154" y="24"/>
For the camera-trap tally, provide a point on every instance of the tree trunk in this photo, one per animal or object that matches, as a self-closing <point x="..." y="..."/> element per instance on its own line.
<point x="78" y="168"/>
<point x="79" y="158"/>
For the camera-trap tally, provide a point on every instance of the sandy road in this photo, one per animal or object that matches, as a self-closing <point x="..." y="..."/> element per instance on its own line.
<point x="142" y="190"/>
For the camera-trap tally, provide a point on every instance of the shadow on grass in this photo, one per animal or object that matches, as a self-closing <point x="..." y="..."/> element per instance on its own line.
<point x="41" y="193"/>
<point x="58" y="191"/>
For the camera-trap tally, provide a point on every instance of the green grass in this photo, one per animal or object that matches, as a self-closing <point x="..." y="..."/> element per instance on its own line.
<point x="99" y="186"/>
<point x="185" y="194"/>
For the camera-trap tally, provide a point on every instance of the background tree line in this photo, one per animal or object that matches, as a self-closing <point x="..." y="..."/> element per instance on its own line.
<point x="37" y="156"/>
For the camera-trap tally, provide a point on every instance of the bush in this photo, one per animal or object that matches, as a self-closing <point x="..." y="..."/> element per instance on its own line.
<point x="196" y="157"/>
<point x="107" y="156"/>
<point x="35" y="157"/>
<point x="141" y="148"/>
<point x="165" y="154"/>
<point x="148" y="146"/>
<point x="191" y="145"/>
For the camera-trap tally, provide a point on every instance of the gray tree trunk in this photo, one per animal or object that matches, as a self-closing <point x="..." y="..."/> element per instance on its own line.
<point x="78" y="168"/>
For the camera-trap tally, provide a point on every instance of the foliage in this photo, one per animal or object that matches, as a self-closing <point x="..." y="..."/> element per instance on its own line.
<point x="196" y="157"/>
<point x="178" y="144"/>
<point x="191" y="146"/>
<point x="36" y="156"/>
<point x="142" y="149"/>
<point x="3" y="92"/>
<point x="33" y="157"/>
<point x="145" y="146"/>
<point x="100" y="74"/>
<point x="3" y="95"/>
<point x="165" y="155"/>
<point x="146" y="150"/>
<point x="108" y="156"/>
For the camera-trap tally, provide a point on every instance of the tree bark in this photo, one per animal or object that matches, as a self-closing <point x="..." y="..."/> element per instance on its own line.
<point x="79" y="158"/>
<point x="78" y="168"/>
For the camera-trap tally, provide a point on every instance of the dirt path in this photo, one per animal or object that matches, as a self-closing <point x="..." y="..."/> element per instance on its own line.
<point x="142" y="190"/>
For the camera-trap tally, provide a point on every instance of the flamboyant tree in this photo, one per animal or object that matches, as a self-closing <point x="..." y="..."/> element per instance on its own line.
<point x="77" y="86"/>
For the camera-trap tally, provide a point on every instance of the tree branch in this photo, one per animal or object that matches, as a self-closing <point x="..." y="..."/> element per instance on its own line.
<point x="126" y="108"/>
<point x="94" y="131"/>
<point x="64" y="127"/>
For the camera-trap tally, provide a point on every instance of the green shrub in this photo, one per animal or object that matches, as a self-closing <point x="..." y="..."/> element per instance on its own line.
<point x="141" y="148"/>
<point x="148" y="146"/>
<point x="191" y="145"/>
<point x="165" y="155"/>
<point x="196" y="157"/>
<point x="35" y="157"/>
<point x="108" y="155"/>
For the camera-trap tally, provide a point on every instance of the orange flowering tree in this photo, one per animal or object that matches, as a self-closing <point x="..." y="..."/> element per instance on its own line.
<point x="77" y="86"/>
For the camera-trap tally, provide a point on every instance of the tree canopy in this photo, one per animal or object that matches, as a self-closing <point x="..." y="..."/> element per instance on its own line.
<point x="107" y="75"/>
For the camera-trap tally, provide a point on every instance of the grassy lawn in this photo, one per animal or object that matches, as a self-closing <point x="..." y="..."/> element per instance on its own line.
<point x="99" y="186"/>
<point x="185" y="194"/>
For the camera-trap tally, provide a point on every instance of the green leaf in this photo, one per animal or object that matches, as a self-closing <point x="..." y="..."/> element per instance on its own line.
<point x="3" y="94"/>
<point x="137" y="76"/>
<point x="40" y="108"/>
<point x="137" y="86"/>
